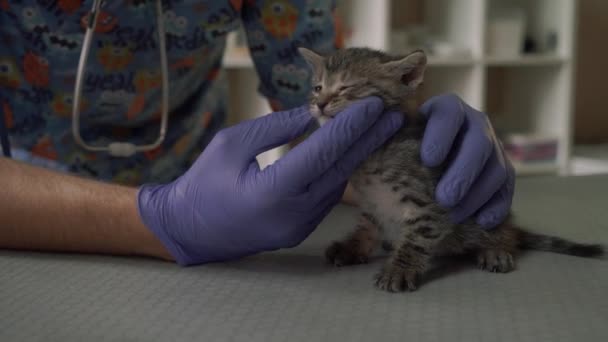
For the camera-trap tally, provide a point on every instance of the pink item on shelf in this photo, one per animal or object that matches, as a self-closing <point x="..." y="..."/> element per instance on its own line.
<point x="531" y="148"/>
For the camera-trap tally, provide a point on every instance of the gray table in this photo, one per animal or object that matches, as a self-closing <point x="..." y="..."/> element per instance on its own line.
<point x="292" y="295"/>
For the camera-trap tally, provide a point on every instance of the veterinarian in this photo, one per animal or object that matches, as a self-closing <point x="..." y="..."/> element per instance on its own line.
<point x="66" y="189"/>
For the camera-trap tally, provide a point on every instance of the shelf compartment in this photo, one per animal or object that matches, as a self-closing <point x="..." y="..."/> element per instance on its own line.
<point x="438" y="26"/>
<point x="530" y="101"/>
<point x="458" y="79"/>
<point x="548" y="24"/>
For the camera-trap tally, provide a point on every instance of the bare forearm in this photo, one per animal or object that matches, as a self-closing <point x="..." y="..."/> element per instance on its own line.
<point x="48" y="211"/>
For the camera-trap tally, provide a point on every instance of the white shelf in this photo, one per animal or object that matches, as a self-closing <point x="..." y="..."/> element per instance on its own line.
<point x="525" y="169"/>
<point x="447" y="61"/>
<point x="240" y="58"/>
<point x="588" y="166"/>
<point x="525" y="60"/>
<point x="530" y="93"/>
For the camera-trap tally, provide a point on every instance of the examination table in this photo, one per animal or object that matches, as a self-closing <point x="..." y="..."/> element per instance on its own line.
<point x="292" y="295"/>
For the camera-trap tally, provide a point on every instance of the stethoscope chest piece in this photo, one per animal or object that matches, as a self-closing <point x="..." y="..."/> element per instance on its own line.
<point x="120" y="149"/>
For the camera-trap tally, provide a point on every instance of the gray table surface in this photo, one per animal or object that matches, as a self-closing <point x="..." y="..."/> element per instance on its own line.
<point x="291" y="295"/>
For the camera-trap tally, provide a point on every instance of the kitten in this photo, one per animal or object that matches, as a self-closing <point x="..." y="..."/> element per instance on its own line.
<point x="396" y="192"/>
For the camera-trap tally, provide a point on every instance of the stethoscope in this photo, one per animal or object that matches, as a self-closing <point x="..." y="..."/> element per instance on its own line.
<point x="116" y="149"/>
<point x="120" y="149"/>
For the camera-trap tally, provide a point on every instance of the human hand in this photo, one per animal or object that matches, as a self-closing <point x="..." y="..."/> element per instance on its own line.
<point x="224" y="207"/>
<point x="479" y="179"/>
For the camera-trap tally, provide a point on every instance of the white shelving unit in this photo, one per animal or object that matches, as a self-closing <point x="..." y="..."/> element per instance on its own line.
<point x="529" y="93"/>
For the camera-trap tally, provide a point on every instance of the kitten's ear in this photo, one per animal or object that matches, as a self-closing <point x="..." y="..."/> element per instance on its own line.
<point x="312" y="58"/>
<point x="410" y="68"/>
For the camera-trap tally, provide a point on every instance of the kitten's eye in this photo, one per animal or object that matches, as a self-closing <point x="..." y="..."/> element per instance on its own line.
<point x="318" y="89"/>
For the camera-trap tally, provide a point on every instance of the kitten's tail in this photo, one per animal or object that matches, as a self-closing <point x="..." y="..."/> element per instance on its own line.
<point x="529" y="240"/>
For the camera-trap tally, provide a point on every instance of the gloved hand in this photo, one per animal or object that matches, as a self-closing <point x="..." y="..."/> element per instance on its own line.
<point x="224" y="207"/>
<point x="479" y="180"/>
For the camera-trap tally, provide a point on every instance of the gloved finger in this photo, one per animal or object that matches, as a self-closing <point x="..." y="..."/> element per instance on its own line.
<point x="497" y="209"/>
<point x="446" y="114"/>
<point x="255" y="136"/>
<point x="321" y="211"/>
<point x="380" y="132"/>
<point x="321" y="203"/>
<point x="492" y="178"/>
<point x="475" y="149"/>
<point x="310" y="159"/>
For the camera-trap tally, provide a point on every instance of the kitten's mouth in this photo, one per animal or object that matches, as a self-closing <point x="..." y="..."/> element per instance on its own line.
<point x="325" y="115"/>
<point x="332" y="112"/>
<point x="323" y="118"/>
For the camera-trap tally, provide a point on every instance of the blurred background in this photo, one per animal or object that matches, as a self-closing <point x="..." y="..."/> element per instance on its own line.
<point x="536" y="67"/>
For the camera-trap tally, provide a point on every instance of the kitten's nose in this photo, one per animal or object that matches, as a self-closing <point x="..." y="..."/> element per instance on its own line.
<point x="322" y="105"/>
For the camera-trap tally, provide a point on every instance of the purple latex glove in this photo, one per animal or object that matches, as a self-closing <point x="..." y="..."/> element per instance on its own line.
<point x="224" y="207"/>
<point x="479" y="180"/>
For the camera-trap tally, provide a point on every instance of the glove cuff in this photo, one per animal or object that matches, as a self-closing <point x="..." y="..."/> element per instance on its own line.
<point x="153" y="212"/>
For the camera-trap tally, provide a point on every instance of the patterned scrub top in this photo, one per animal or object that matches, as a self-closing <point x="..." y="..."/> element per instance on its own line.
<point x="41" y="41"/>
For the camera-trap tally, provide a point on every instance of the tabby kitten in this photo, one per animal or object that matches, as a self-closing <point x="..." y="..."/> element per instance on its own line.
<point x="398" y="209"/>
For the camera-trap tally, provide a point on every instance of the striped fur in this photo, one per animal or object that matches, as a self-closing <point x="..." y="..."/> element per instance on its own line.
<point x="397" y="191"/>
<point x="529" y="240"/>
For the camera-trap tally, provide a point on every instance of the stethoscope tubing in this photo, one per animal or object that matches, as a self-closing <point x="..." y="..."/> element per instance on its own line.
<point x="120" y="149"/>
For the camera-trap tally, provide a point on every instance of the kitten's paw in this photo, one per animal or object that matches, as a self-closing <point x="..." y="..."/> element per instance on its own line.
<point x="495" y="260"/>
<point x="397" y="279"/>
<point x="343" y="254"/>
